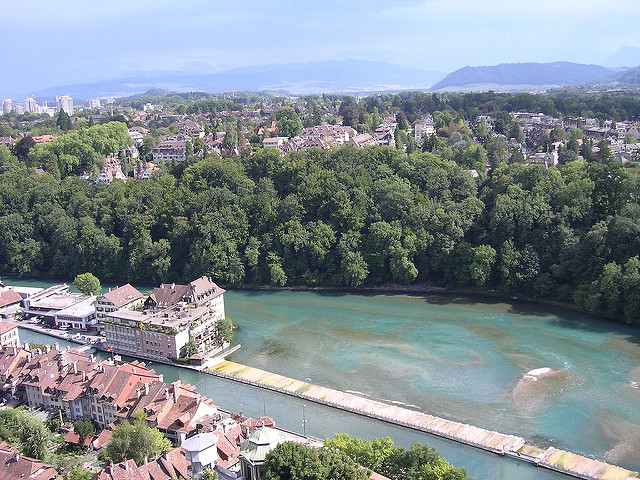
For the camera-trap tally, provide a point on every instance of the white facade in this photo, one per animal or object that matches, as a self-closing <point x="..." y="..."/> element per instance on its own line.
<point x="65" y="103"/>
<point x="7" y="106"/>
<point x="30" y="105"/>
<point x="81" y="316"/>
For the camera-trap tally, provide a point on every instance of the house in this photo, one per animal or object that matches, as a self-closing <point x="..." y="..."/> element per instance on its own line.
<point x="8" y="141"/>
<point x="46" y="306"/>
<point x="200" y="292"/>
<point x="423" y="130"/>
<point x="42" y="139"/>
<point x="136" y="136"/>
<point x="362" y="140"/>
<point x="385" y="134"/>
<point x="170" y="150"/>
<point x="125" y="297"/>
<point x="272" y="129"/>
<point x="79" y="316"/>
<point x="9" y="335"/>
<point x="9" y="302"/>
<point x="190" y="128"/>
<point x="160" y="335"/>
<point x="274" y="142"/>
<point x="170" y="465"/>
<point x="176" y="409"/>
<point x="12" y="363"/>
<point x="145" y="170"/>
<point x="111" y="171"/>
<point x="201" y="451"/>
<point x="15" y="466"/>
<point x="255" y="449"/>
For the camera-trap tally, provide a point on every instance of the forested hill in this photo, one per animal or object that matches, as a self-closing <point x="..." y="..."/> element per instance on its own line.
<point x="536" y="74"/>
<point x="345" y="217"/>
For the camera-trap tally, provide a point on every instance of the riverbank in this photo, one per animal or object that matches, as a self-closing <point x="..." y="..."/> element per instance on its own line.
<point x="429" y="289"/>
<point x="395" y="288"/>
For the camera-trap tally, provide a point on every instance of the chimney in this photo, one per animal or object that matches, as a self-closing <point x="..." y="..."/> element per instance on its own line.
<point x="146" y="389"/>
<point x="166" y="394"/>
<point x="75" y="368"/>
<point x="16" y="456"/>
<point x="146" y="460"/>
<point x="68" y="348"/>
<point x="84" y="375"/>
<point x="56" y="346"/>
<point x="93" y="358"/>
<point x="26" y="346"/>
<point x="47" y="348"/>
<point x="176" y="393"/>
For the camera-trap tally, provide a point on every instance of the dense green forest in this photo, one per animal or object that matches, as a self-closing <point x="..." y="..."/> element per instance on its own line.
<point x="342" y="217"/>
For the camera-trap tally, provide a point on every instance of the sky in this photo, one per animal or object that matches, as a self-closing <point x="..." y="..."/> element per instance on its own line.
<point x="45" y="43"/>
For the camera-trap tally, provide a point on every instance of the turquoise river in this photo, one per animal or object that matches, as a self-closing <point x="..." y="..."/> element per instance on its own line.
<point x="458" y="358"/>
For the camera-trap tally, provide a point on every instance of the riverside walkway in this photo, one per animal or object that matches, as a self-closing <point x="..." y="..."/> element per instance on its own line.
<point x="494" y="442"/>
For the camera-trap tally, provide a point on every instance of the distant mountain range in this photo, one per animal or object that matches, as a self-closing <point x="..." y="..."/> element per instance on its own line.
<point x="359" y="76"/>
<point x="522" y="76"/>
<point x="625" y="57"/>
<point x="627" y="79"/>
<point x="348" y="76"/>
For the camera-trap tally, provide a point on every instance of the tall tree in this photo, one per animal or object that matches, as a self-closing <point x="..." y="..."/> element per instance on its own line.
<point x="288" y="122"/>
<point x="63" y="121"/>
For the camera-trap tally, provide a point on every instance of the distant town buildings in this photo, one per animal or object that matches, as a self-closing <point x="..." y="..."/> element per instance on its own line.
<point x="93" y="103"/>
<point x="65" y="103"/>
<point x="30" y="105"/>
<point x="7" y="106"/>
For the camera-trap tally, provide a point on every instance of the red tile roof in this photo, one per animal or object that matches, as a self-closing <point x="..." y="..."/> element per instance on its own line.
<point x="6" y="327"/>
<point x="9" y="297"/>
<point x="14" y="466"/>
<point x="122" y="296"/>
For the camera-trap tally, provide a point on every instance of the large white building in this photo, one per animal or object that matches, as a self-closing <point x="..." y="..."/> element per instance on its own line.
<point x="173" y="316"/>
<point x="7" y="106"/>
<point x="65" y="103"/>
<point x="30" y="105"/>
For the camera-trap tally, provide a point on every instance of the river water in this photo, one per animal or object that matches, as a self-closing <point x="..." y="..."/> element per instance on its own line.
<point x="459" y="358"/>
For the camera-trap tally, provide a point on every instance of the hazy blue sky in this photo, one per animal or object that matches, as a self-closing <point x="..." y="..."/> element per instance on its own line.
<point x="46" y="43"/>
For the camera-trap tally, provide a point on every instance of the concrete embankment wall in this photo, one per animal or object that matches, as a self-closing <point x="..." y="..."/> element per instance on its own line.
<point x="491" y="441"/>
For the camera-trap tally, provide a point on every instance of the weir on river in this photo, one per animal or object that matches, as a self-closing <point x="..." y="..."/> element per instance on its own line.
<point x="495" y="442"/>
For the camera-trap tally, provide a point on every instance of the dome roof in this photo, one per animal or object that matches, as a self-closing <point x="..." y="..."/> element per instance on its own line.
<point x="259" y="444"/>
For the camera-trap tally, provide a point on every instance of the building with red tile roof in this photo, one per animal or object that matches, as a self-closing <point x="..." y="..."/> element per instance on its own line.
<point x="125" y="297"/>
<point x="170" y="465"/>
<point x="9" y="335"/>
<point x="15" y="466"/>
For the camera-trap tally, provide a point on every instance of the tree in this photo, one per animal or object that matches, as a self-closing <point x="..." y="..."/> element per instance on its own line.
<point x="135" y="441"/>
<point x="22" y="147"/>
<point x="294" y="461"/>
<point x="79" y="473"/>
<point x="34" y="437"/>
<point x="84" y="429"/>
<point x="604" y="155"/>
<point x="224" y="330"/>
<point x="87" y="283"/>
<point x="209" y="475"/>
<point x="63" y="121"/>
<point x="190" y="348"/>
<point x="288" y="122"/>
